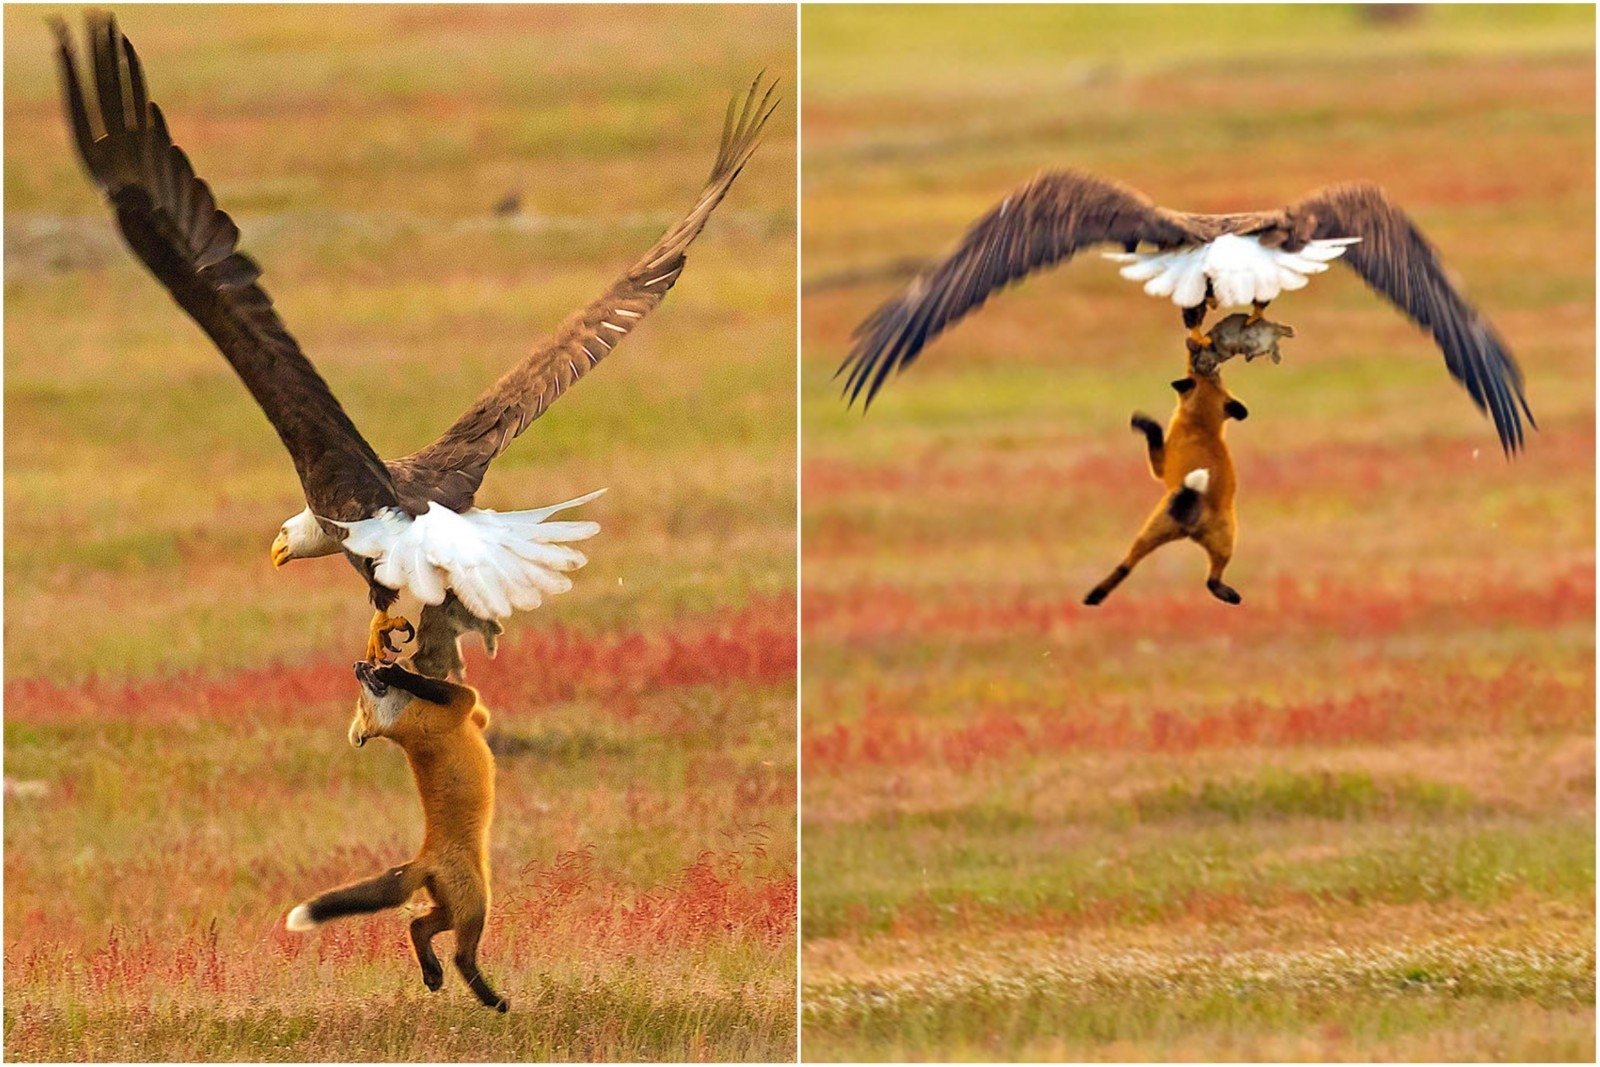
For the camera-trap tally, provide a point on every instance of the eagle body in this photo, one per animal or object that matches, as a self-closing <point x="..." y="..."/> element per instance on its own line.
<point x="1197" y="261"/>
<point x="1232" y="269"/>
<point x="496" y="562"/>
<point x="408" y="524"/>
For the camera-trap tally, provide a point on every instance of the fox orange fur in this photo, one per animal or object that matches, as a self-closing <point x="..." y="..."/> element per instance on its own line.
<point x="440" y="727"/>
<point x="1192" y="461"/>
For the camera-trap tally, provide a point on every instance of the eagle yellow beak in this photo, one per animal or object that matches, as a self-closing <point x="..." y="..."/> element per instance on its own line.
<point x="280" y="551"/>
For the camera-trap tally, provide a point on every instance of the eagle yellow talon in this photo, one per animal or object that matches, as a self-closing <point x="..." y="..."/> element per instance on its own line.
<point x="379" y="645"/>
<point x="1199" y="340"/>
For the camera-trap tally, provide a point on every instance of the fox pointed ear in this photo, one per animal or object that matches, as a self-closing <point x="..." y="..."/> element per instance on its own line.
<point x="1235" y="410"/>
<point x="1183" y="385"/>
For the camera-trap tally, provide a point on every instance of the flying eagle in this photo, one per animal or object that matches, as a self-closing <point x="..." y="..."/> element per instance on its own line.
<point x="1199" y="262"/>
<point x="407" y="524"/>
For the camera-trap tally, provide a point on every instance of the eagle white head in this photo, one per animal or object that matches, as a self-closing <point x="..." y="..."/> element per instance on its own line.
<point x="302" y="537"/>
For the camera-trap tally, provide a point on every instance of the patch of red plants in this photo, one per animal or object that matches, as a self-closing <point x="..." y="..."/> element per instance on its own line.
<point x="715" y="896"/>
<point x="730" y="894"/>
<point x="755" y="645"/>
<point x="1116" y="477"/>
<point x="1328" y="608"/>
<point x="1425" y="706"/>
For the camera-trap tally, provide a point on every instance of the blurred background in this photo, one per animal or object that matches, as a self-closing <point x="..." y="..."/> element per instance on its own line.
<point x="1352" y="818"/>
<point x="430" y="190"/>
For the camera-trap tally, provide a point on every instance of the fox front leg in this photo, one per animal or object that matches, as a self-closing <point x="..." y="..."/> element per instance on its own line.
<point x="1154" y="441"/>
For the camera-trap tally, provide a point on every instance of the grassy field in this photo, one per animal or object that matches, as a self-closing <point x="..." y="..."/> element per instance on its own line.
<point x="176" y="770"/>
<point x="1351" y="819"/>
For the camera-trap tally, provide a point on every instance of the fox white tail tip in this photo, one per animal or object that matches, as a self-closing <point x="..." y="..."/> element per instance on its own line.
<point x="1198" y="480"/>
<point x="299" y="920"/>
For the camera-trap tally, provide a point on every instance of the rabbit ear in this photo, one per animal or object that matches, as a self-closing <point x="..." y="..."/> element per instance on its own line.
<point x="368" y="677"/>
<point x="432" y="690"/>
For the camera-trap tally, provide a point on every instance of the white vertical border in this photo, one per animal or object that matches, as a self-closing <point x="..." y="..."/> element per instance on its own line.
<point x="799" y="538"/>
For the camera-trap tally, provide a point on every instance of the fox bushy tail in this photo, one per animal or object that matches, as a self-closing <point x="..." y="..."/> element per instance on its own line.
<point x="1185" y="505"/>
<point x="390" y="889"/>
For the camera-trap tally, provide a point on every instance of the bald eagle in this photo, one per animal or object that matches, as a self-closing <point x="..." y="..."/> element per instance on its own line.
<point x="408" y="524"/>
<point x="1199" y="262"/>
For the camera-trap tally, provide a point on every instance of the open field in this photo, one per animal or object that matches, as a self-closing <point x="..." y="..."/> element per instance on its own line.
<point x="1351" y="819"/>
<point x="176" y="764"/>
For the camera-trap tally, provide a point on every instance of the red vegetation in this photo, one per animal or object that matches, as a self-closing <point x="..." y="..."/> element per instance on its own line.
<point x="1113" y="475"/>
<point x="1326" y="607"/>
<point x="755" y="645"/>
<point x="1453" y="705"/>
<point x="710" y="898"/>
<point x="729" y="896"/>
<point x="1352" y="468"/>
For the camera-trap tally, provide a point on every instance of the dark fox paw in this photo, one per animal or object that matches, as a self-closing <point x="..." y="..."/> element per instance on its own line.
<point x="1224" y="592"/>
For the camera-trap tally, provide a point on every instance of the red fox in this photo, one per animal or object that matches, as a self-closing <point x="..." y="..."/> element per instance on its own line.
<point x="1194" y="464"/>
<point x="440" y="726"/>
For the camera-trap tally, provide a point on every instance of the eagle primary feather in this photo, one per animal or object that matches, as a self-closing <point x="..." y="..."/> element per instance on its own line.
<point x="452" y="467"/>
<point x="170" y="221"/>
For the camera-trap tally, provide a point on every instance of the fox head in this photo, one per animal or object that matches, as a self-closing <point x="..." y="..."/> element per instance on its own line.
<point x="1204" y="398"/>
<point x="398" y="704"/>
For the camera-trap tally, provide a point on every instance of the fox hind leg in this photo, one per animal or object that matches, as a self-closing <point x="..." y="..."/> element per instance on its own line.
<point x="1218" y="543"/>
<point x="468" y="932"/>
<point x="1158" y="530"/>
<point x="424" y="928"/>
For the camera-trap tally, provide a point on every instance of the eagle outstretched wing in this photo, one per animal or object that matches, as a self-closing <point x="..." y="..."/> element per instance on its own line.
<point x="1398" y="262"/>
<point x="172" y="223"/>
<point x="451" y="469"/>
<point x="1046" y="221"/>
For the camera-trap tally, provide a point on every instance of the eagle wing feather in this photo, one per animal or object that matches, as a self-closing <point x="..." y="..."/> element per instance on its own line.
<point x="451" y="469"/>
<point x="172" y="223"/>
<point x="1045" y="222"/>
<point x="1398" y="262"/>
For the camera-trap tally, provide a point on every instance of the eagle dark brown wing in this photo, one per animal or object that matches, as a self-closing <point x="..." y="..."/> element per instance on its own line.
<point x="1043" y="223"/>
<point x="173" y="225"/>
<point x="1397" y="261"/>
<point x="451" y="468"/>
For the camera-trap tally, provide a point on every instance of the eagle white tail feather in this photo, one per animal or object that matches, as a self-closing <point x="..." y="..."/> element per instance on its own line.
<point x="300" y="920"/>
<point x="1199" y="480"/>
<point x="496" y="562"/>
<point x="1239" y="269"/>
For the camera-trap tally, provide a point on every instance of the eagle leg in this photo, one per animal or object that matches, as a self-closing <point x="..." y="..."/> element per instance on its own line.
<point x="1256" y="308"/>
<point x="379" y="645"/>
<point x="1194" y="318"/>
